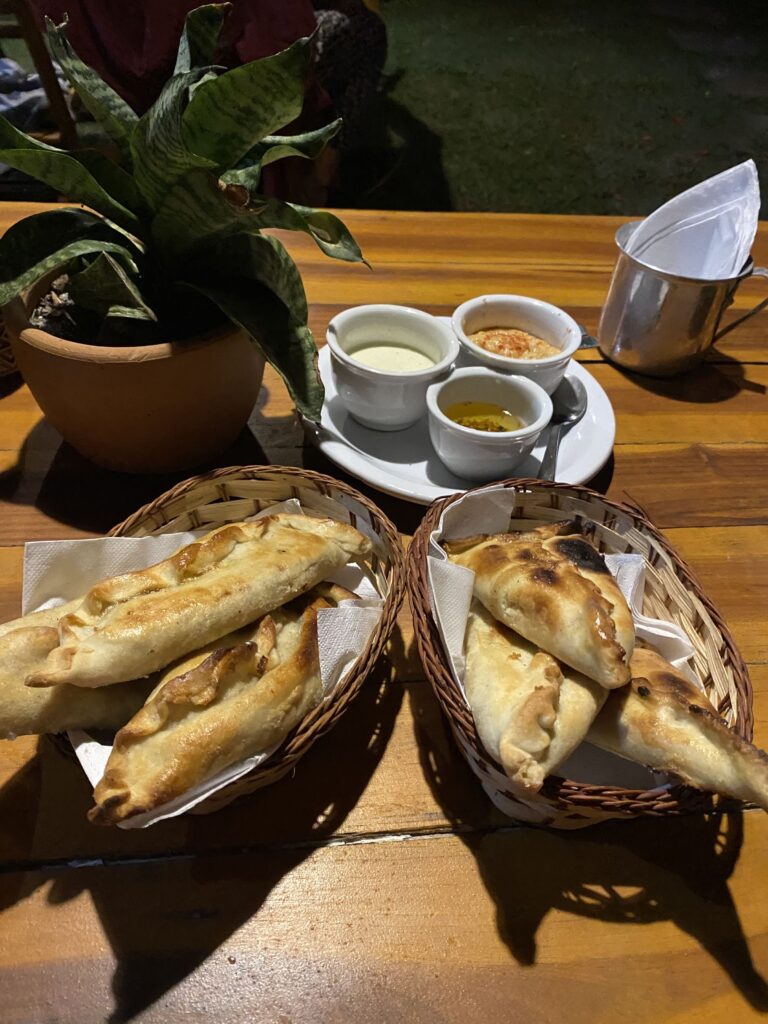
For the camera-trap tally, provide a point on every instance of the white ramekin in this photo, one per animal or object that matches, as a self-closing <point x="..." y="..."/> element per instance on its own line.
<point x="382" y="399"/>
<point x="476" y="454"/>
<point x="532" y="315"/>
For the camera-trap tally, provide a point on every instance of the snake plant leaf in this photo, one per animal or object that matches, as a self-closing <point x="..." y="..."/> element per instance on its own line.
<point x="160" y="156"/>
<point x="228" y="115"/>
<point x="66" y="175"/>
<point x="49" y="240"/>
<point x="196" y="208"/>
<point x="250" y="257"/>
<point x="116" y="181"/>
<point x="176" y="244"/>
<point x="113" y="179"/>
<point x="200" y="37"/>
<point x="104" y="287"/>
<point x="330" y="234"/>
<point x="276" y="147"/>
<point x="103" y="103"/>
<point x="287" y="345"/>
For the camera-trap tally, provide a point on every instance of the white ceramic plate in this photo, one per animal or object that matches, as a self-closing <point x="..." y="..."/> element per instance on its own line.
<point x="403" y="462"/>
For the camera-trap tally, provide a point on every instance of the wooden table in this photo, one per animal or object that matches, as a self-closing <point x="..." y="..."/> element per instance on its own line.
<point x="379" y="885"/>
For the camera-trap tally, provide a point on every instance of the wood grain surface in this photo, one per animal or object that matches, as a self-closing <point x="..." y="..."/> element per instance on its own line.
<point x="379" y="884"/>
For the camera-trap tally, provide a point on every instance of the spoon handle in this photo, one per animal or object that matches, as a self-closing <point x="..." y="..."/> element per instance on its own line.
<point x="549" y="462"/>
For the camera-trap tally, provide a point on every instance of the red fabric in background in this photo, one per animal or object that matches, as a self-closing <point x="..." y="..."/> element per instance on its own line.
<point x="132" y="43"/>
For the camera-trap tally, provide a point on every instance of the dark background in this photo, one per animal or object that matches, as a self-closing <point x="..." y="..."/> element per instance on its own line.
<point x="564" y="106"/>
<point x="547" y="106"/>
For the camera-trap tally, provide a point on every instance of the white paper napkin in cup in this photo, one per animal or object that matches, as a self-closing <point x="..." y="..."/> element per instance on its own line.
<point x="58" y="571"/>
<point x="705" y="232"/>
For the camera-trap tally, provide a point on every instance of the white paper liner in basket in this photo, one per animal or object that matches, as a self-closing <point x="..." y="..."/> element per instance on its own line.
<point x="57" y="571"/>
<point x="450" y="592"/>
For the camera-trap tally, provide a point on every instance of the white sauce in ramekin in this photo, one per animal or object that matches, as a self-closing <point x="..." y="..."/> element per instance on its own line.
<point x="393" y="358"/>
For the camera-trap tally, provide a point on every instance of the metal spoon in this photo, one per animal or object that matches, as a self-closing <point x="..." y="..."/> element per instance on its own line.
<point x="569" y="403"/>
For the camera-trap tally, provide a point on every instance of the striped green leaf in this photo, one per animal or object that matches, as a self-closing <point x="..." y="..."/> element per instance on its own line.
<point x="109" y="174"/>
<point x="160" y="156"/>
<point x="250" y="257"/>
<point x="276" y="147"/>
<point x="200" y="37"/>
<point x="287" y="345"/>
<point x="228" y="115"/>
<point x="198" y="209"/>
<point x="103" y="103"/>
<point x="195" y="209"/>
<point x="112" y="178"/>
<point x="49" y="240"/>
<point x="105" y="287"/>
<point x="67" y="176"/>
<point x="330" y="233"/>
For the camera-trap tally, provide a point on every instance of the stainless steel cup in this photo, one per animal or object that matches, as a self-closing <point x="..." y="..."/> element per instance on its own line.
<point x="661" y="324"/>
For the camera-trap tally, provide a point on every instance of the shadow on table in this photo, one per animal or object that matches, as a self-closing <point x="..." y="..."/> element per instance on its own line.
<point x="10" y="383"/>
<point x="52" y="476"/>
<point x="165" y="914"/>
<point x="635" y="872"/>
<point x="716" y="380"/>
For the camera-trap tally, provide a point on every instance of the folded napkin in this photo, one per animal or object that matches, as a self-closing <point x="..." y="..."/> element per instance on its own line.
<point x="706" y="232"/>
<point x="57" y="571"/>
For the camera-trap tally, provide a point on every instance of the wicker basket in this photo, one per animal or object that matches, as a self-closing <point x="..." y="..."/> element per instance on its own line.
<point x="671" y="593"/>
<point x="230" y="495"/>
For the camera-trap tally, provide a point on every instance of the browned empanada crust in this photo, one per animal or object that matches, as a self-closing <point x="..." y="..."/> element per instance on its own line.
<point x="531" y="712"/>
<point x="136" y="624"/>
<point x="46" y="617"/>
<point x="662" y="720"/>
<point x="552" y="587"/>
<point x="235" y="702"/>
<point x="25" y="711"/>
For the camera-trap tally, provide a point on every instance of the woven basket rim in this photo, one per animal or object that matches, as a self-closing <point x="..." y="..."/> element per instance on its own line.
<point x="568" y="794"/>
<point x="318" y="721"/>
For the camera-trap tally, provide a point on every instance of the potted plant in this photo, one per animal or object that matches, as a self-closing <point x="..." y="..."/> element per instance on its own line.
<point x="173" y="295"/>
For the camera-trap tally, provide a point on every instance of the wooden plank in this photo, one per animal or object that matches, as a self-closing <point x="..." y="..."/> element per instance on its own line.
<point x="749" y="343"/>
<point x="730" y="566"/>
<point x="671" y="918"/>
<point x="692" y="485"/>
<point x="456" y="237"/>
<point x="728" y="563"/>
<point x="365" y="778"/>
<point x="437" y="261"/>
<point x="254" y="913"/>
<point x="648" y="412"/>
<point x="389" y="767"/>
<point x="711" y="404"/>
<point x="43" y="502"/>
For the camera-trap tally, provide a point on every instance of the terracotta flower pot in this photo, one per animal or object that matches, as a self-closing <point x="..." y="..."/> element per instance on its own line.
<point x="146" y="409"/>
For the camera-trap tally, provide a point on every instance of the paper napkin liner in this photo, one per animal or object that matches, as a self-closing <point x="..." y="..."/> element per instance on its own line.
<point x="450" y="591"/>
<point x="57" y="571"/>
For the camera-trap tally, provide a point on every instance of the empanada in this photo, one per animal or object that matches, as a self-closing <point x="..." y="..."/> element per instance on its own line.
<point x="531" y="713"/>
<point x="551" y="586"/>
<point x="216" y="709"/>
<point x="47" y="617"/>
<point x="26" y="711"/>
<point x="663" y="721"/>
<point x="135" y="624"/>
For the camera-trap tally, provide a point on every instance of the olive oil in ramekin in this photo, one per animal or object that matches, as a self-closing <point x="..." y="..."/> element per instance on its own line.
<point x="483" y="416"/>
